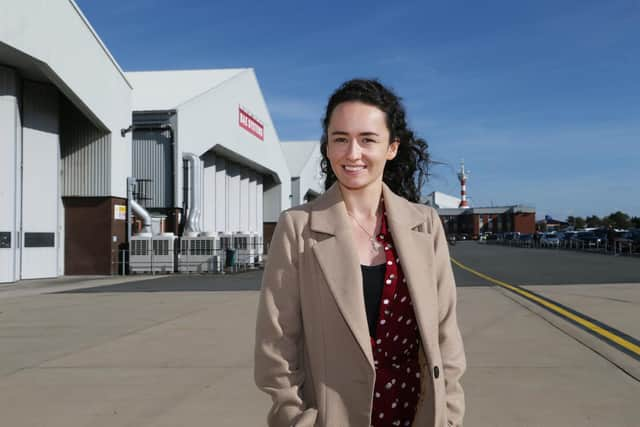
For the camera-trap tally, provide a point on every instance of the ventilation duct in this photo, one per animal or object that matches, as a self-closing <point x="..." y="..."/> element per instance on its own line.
<point x="193" y="186"/>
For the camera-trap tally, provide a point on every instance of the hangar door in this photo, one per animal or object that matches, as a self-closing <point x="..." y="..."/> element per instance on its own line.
<point x="40" y="177"/>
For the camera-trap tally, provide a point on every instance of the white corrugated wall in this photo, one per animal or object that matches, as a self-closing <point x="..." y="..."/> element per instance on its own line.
<point x="244" y="200"/>
<point x="153" y="160"/>
<point x="221" y="195"/>
<point x="86" y="155"/>
<point x="10" y="131"/>
<point x="253" y="204"/>
<point x="231" y="202"/>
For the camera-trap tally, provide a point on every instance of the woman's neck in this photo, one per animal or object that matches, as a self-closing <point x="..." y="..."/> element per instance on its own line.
<point x="363" y="202"/>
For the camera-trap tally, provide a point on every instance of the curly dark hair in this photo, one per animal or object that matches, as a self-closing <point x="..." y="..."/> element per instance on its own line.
<point x="409" y="170"/>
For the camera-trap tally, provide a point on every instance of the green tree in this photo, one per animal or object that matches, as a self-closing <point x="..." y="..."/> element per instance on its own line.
<point x="580" y="222"/>
<point x="619" y="219"/>
<point x="594" y="221"/>
<point x="571" y="220"/>
<point x="635" y="222"/>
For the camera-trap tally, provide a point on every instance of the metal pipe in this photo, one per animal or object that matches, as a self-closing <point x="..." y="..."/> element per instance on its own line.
<point x="144" y="215"/>
<point x="194" y="192"/>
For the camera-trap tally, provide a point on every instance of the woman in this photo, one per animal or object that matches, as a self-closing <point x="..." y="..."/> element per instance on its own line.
<point x="357" y="314"/>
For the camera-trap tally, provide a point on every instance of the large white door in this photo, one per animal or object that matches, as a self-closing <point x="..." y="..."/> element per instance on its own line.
<point x="10" y="131"/>
<point x="41" y="232"/>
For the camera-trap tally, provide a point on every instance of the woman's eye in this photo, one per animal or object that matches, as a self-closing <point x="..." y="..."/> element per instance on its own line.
<point x="340" y="140"/>
<point x="369" y="141"/>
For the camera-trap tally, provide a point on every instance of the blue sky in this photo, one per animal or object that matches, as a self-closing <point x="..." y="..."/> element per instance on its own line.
<point x="541" y="99"/>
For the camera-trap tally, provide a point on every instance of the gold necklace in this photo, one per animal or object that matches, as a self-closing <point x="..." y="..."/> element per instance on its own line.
<point x="375" y="245"/>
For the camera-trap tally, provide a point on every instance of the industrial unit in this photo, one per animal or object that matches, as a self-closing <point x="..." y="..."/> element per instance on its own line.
<point x="208" y="163"/>
<point x="64" y="161"/>
<point x="193" y="155"/>
<point x="307" y="179"/>
<point x="437" y="200"/>
<point x="500" y="219"/>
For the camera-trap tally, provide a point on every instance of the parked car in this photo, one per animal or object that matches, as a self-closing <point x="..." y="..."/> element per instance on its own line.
<point x="635" y="236"/>
<point x="485" y="234"/>
<point x="624" y="240"/>
<point x="601" y="233"/>
<point x="550" y="239"/>
<point x="511" y="235"/>
<point x="589" y="238"/>
<point x="452" y="239"/>
<point x="567" y="236"/>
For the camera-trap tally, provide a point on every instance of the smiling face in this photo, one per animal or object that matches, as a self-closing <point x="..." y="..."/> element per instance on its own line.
<point x="358" y="144"/>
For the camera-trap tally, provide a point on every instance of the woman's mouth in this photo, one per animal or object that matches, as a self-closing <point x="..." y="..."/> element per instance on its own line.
<point x="353" y="169"/>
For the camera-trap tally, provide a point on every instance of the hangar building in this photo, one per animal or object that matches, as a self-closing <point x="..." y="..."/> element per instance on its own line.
<point x="303" y="159"/>
<point x="219" y="116"/>
<point x="64" y="163"/>
<point x="195" y="151"/>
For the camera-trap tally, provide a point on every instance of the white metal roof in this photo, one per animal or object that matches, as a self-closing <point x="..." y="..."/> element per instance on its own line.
<point x="442" y="200"/>
<point x="297" y="154"/>
<point x="166" y="90"/>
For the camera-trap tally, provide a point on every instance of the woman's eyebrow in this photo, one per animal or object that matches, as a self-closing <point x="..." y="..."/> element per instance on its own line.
<point x="340" y="132"/>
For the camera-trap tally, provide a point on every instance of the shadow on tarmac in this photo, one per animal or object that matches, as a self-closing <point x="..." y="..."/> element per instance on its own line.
<point x="247" y="281"/>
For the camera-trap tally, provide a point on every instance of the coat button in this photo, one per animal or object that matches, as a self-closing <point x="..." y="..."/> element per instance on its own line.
<point x="436" y="372"/>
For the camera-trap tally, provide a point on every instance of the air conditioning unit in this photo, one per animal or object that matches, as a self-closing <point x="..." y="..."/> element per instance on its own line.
<point x="163" y="257"/>
<point x="149" y="254"/>
<point x="226" y="241"/>
<point x="200" y="254"/>
<point x="246" y="248"/>
<point x="140" y="254"/>
<point x="258" y="248"/>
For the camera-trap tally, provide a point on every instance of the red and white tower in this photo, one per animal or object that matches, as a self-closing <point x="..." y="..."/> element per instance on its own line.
<point x="462" y="177"/>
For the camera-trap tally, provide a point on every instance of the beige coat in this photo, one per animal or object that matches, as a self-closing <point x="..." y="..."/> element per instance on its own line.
<point x="313" y="352"/>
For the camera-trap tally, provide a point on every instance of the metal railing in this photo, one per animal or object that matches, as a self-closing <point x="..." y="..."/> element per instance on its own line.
<point x="617" y="247"/>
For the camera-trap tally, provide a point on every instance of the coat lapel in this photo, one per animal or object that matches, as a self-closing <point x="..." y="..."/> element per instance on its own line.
<point x="413" y="240"/>
<point x="340" y="264"/>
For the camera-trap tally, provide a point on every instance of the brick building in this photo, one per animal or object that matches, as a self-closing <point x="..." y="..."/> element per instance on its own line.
<point x="474" y="221"/>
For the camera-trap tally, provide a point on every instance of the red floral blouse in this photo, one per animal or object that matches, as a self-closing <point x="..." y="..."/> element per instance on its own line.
<point x="395" y="346"/>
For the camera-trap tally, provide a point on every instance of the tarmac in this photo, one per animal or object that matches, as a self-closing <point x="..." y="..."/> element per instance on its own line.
<point x="178" y="350"/>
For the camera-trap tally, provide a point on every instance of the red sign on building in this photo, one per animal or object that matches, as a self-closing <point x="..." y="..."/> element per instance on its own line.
<point x="250" y="124"/>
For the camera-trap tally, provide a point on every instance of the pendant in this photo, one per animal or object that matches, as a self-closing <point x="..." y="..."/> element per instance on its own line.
<point x="375" y="245"/>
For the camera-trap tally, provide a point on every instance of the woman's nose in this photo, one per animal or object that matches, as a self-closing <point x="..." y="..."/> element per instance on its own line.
<point x="353" y="150"/>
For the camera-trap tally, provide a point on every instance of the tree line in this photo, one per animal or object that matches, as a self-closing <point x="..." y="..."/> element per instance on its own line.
<point x="617" y="219"/>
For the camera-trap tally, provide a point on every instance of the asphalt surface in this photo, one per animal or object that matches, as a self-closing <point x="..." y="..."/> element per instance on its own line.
<point x="517" y="266"/>
<point x="525" y="266"/>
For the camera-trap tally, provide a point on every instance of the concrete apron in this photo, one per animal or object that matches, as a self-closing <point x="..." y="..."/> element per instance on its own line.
<point x="186" y="358"/>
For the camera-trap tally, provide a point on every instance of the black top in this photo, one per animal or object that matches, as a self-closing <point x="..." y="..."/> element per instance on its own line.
<point x="373" y="282"/>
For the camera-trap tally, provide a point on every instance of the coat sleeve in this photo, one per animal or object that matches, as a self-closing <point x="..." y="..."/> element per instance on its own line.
<point x="451" y="347"/>
<point x="278" y="369"/>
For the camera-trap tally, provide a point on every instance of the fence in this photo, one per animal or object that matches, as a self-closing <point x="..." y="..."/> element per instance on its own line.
<point x="617" y="247"/>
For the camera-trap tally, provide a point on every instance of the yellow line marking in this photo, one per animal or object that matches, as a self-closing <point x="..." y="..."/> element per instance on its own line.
<point x="553" y="307"/>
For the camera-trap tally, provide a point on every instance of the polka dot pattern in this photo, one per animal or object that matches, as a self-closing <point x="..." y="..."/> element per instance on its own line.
<point x="395" y="359"/>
